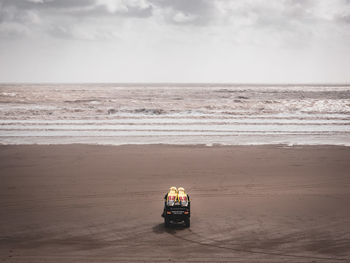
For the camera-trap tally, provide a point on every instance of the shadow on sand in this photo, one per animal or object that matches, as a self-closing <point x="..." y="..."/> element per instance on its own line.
<point x="172" y="229"/>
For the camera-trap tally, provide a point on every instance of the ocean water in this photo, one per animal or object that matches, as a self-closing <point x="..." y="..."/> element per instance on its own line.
<point x="174" y="114"/>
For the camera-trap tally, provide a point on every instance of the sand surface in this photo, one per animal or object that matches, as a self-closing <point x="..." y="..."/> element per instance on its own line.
<point x="80" y="203"/>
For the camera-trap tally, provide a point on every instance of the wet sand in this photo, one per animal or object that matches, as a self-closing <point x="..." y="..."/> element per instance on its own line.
<point x="81" y="203"/>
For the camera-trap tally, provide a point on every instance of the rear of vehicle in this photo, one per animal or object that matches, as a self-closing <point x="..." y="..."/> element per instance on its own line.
<point x="177" y="211"/>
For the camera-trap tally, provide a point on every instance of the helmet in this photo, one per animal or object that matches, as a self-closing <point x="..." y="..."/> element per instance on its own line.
<point x="181" y="189"/>
<point x="172" y="189"/>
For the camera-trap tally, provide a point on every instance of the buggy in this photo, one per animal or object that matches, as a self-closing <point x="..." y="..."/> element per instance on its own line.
<point x="177" y="209"/>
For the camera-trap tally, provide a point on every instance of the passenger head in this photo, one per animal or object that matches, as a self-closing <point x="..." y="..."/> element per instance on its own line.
<point x="181" y="190"/>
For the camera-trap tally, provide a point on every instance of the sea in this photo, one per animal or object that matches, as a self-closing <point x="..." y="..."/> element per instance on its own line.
<point x="205" y="114"/>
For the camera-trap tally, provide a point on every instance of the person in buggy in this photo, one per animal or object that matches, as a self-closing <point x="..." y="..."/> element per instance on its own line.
<point x="176" y="207"/>
<point x="182" y="196"/>
<point x="171" y="196"/>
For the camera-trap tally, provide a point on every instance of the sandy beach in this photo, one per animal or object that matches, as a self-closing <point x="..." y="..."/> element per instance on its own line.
<point x="84" y="203"/>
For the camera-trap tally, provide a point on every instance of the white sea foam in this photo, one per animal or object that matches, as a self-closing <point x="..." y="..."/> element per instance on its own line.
<point x="8" y="94"/>
<point x="180" y="128"/>
<point x="192" y="114"/>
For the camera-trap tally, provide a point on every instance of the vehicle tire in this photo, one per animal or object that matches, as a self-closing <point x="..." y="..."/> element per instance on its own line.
<point x="166" y="222"/>
<point x="187" y="222"/>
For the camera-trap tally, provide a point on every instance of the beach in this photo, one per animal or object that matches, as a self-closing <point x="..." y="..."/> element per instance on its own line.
<point x="93" y="203"/>
<point x="174" y="131"/>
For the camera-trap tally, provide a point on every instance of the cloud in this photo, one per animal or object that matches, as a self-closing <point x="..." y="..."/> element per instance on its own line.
<point x="174" y="40"/>
<point x="282" y="14"/>
<point x="194" y="12"/>
<point x="280" y="23"/>
<point x="16" y="22"/>
<point x="180" y="17"/>
<point x="67" y="18"/>
<point x="36" y="1"/>
<point x="79" y="33"/>
<point x="124" y="6"/>
<point x="73" y="7"/>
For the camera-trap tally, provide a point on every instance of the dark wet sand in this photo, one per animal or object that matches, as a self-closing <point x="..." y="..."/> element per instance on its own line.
<point x="80" y="203"/>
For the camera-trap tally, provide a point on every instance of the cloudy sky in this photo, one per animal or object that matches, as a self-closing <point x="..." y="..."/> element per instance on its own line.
<point x="253" y="41"/>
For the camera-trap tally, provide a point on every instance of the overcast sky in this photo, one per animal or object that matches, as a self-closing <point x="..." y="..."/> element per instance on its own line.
<point x="253" y="41"/>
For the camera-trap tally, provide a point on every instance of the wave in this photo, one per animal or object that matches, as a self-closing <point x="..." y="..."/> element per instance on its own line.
<point x="205" y="114"/>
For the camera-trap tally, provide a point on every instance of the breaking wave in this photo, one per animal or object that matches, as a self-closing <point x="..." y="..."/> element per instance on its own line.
<point x="184" y="114"/>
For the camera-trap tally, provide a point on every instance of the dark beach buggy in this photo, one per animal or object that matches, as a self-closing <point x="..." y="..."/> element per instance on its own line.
<point x="176" y="207"/>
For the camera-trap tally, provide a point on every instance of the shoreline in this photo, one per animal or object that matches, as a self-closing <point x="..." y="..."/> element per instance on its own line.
<point x="211" y="145"/>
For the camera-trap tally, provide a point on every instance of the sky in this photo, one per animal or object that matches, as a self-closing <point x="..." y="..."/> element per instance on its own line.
<point x="221" y="41"/>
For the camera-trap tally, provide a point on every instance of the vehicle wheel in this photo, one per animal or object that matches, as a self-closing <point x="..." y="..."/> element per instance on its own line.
<point x="166" y="222"/>
<point x="187" y="222"/>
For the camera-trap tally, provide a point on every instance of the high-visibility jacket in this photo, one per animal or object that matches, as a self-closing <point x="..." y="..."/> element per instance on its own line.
<point x="171" y="197"/>
<point x="182" y="197"/>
